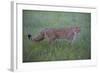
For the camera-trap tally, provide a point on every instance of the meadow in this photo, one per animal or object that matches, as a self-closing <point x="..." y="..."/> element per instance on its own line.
<point x="35" y="21"/>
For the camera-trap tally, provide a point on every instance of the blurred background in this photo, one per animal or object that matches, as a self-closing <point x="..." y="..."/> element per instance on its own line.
<point x="35" y="21"/>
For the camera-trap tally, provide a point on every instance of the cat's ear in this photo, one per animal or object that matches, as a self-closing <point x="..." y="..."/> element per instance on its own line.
<point x="77" y="27"/>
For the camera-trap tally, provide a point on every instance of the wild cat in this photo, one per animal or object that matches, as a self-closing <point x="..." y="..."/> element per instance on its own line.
<point x="51" y="34"/>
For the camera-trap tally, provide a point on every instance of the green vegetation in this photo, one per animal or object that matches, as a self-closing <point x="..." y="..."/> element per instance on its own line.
<point x="35" y="21"/>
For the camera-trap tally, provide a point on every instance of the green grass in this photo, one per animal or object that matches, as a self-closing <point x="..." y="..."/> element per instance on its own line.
<point x="35" y="21"/>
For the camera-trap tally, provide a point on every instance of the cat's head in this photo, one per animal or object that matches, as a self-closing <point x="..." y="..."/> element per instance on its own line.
<point x="77" y="29"/>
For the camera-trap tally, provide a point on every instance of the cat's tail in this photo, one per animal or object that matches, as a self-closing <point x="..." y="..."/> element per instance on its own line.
<point x="38" y="38"/>
<point x="29" y="36"/>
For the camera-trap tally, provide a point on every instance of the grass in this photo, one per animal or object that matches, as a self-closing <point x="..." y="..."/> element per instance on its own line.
<point x="59" y="50"/>
<point x="35" y="21"/>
